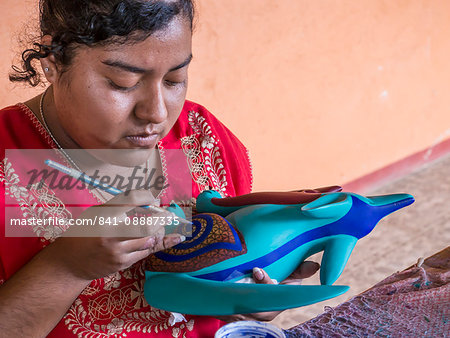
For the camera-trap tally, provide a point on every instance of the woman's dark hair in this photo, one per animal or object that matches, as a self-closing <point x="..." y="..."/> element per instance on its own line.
<point x="72" y="23"/>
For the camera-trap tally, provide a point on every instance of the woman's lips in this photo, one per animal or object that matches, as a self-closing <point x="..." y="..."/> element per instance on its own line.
<point x="145" y="140"/>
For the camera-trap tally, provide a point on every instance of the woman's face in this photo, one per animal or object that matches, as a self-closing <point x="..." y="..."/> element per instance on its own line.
<point x="124" y="96"/>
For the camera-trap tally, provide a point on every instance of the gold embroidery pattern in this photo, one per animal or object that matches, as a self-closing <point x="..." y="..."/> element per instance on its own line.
<point x="196" y="162"/>
<point x="79" y="322"/>
<point x="162" y="154"/>
<point x="112" y="281"/>
<point x="36" y="202"/>
<point x="203" y="155"/>
<point x="121" y="310"/>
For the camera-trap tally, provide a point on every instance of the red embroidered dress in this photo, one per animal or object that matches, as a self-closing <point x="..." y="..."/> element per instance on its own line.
<point x="114" y="306"/>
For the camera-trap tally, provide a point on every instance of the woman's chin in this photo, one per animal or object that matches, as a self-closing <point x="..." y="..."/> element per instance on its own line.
<point x="122" y="157"/>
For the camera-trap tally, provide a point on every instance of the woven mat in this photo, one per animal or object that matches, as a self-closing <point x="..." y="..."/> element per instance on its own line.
<point x="411" y="303"/>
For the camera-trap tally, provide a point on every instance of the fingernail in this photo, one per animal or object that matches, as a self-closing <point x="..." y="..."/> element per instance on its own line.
<point x="258" y="273"/>
<point x="181" y="238"/>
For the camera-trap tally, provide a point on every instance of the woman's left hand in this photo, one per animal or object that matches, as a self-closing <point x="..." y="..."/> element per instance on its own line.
<point x="305" y="270"/>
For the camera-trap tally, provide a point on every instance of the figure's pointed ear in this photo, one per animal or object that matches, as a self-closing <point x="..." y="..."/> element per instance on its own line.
<point x="176" y="209"/>
<point x="328" y="206"/>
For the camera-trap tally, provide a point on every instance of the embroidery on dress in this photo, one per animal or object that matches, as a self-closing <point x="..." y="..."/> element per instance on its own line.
<point x="2" y="170"/>
<point x="112" y="281"/>
<point x="37" y="124"/>
<point x="121" y="310"/>
<point x="162" y="156"/>
<point x="125" y="288"/>
<point x="196" y="162"/>
<point x="36" y="202"/>
<point x="203" y="155"/>
<point x="83" y="322"/>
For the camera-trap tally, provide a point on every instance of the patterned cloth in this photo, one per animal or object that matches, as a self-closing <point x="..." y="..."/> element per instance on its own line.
<point x="114" y="306"/>
<point x="411" y="303"/>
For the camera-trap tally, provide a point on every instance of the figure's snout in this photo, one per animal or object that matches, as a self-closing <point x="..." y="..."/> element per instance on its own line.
<point x="387" y="204"/>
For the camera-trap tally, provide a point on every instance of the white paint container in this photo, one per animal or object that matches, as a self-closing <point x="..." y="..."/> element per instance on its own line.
<point x="249" y="329"/>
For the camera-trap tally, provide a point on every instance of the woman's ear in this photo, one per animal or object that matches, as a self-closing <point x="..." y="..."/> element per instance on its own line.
<point x="48" y="64"/>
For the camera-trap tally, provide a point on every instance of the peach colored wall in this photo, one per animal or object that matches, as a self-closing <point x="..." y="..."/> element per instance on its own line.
<point x="16" y="18"/>
<point x="321" y="92"/>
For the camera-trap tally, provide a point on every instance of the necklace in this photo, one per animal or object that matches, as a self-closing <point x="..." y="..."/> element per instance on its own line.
<point x="96" y="192"/>
<point x="41" y="112"/>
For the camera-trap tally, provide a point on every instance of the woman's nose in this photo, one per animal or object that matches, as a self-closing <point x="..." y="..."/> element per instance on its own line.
<point x="151" y="107"/>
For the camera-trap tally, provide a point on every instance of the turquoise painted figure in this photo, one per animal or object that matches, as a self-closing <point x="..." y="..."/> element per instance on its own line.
<point x="206" y="269"/>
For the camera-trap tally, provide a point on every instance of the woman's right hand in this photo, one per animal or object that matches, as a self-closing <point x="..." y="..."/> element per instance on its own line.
<point x="99" y="254"/>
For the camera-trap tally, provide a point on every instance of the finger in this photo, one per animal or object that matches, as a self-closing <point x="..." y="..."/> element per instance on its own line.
<point x="129" y="244"/>
<point x="232" y="318"/>
<point x="125" y="202"/>
<point x="129" y="235"/>
<point x="263" y="316"/>
<point x="136" y="256"/>
<point x="305" y="270"/>
<point x="168" y="241"/>
<point x="114" y="211"/>
<point x="261" y="277"/>
<point x="152" y="243"/>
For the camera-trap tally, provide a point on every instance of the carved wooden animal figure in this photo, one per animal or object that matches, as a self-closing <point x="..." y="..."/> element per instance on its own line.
<point x="229" y="239"/>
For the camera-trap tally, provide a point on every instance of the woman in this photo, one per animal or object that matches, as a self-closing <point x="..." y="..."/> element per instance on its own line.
<point x="118" y="74"/>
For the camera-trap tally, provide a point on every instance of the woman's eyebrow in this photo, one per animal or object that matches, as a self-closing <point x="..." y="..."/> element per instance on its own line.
<point x="138" y="70"/>
<point x="183" y="64"/>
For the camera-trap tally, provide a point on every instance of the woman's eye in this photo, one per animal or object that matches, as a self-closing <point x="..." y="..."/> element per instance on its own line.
<point x="174" y="83"/>
<point x="121" y="88"/>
